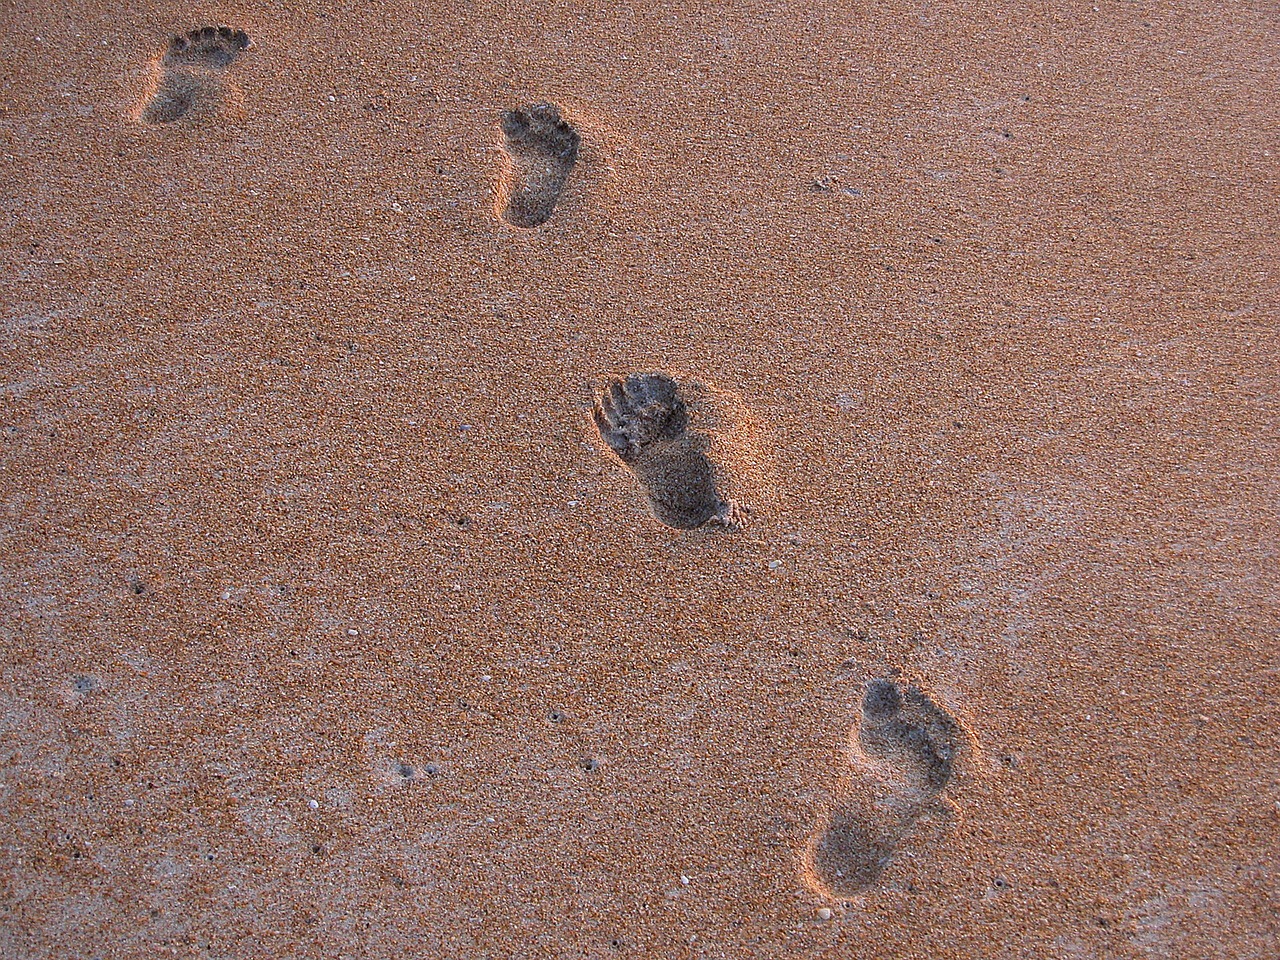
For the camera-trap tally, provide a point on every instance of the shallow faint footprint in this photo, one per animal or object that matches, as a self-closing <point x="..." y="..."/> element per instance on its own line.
<point x="543" y="148"/>
<point x="191" y="78"/>
<point x="905" y="752"/>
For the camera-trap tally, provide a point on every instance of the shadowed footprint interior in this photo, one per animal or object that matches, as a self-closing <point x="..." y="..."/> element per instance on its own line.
<point x="913" y="734"/>
<point x="850" y="853"/>
<point x="543" y="148"/>
<point x="191" y="81"/>
<point x="646" y="423"/>
<point x="906" y="748"/>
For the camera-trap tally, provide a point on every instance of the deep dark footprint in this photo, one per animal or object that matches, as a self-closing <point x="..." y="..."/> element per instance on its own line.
<point x="543" y="148"/>
<point x="638" y="411"/>
<point x="190" y="81"/>
<point x="645" y="422"/>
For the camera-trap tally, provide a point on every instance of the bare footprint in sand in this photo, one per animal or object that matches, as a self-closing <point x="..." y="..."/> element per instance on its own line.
<point x="905" y="749"/>
<point x="542" y="148"/>
<point x="645" y="422"/>
<point x="693" y="449"/>
<point x="191" y="79"/>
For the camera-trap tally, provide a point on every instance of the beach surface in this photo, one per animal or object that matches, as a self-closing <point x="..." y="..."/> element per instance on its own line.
<point x="354" y="602"/>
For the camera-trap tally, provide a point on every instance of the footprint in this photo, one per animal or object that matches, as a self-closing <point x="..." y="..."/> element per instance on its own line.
<point x="190" y="80"/>
<point x="543" y="148"/>
<point x="850" y="853"/>
<point x="645" y="421"/>
<point x="912" y="736"/>
<point x="906" y="749"/>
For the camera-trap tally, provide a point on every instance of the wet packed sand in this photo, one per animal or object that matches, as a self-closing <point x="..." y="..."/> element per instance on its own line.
<point x="358" y="601"/>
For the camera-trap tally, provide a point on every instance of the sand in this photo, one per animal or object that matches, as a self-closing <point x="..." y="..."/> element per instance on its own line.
<point x="332" y="627"/>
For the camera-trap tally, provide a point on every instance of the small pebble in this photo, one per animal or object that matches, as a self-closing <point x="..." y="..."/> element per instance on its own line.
<point x="684" y="879"/>
<point x="314" y="805"/>
<point x="774" y="564"/>
<point x="353" y="632"/>
<point x="824" y="913"/>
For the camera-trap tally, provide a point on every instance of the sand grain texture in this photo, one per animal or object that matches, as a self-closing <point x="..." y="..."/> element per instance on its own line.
<point x="330" y="627"/>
